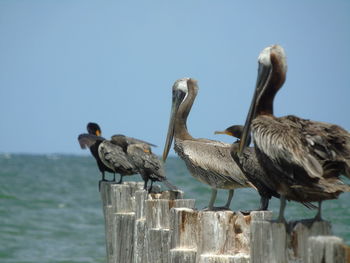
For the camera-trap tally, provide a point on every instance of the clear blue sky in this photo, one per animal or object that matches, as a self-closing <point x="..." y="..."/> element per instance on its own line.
<point x="65" y="63"/>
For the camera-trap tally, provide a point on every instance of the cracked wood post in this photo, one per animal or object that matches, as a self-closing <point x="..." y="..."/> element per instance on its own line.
<point x="184" y="235"/>
<point x="107" y="212"/>
<point x="207" y="236"/>
<point x="152" y="228"/>
<point x="118" y="206"/>
<point x="279" y="242"/>
<point x="157" y="213"/>
<point x="300" y="231"/>
<point x="327" y="249"/>
<point x="268" y="239"/>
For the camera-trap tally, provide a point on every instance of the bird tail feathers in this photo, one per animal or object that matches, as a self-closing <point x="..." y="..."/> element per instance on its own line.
<point x="170" y="185"/>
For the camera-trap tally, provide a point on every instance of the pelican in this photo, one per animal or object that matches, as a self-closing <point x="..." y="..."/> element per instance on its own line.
<point x="207" y="160"/>
<point x="148" y="165"/>
<point x="303" y="159"/>
<point x="250" y="166"/>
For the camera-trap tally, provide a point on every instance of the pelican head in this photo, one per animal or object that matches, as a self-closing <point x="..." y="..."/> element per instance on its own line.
<point x="93" y="128"/>
<point x="271" y="76"/>
<point x="181" y="105"/>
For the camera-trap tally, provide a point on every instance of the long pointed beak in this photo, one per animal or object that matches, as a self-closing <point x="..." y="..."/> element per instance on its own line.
<point x="223" y="132"/>
<point x="264" y="73"/>
<point x="171" y="129"/>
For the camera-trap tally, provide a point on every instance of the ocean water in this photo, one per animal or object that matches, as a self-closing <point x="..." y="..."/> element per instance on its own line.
<point x="50" y="208"/>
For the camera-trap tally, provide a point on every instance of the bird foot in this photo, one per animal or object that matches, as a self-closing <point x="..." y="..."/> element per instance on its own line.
<point x="318" y="218"/>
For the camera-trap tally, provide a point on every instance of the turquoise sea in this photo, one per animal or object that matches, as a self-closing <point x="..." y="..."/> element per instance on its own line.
<point x="50" y="208"/>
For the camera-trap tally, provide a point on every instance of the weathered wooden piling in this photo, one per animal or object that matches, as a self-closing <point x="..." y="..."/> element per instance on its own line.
<point x="165" y="228"/>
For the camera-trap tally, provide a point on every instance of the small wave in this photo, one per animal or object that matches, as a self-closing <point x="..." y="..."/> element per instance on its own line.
<point x="53" y="156"/>
<point x="6" y="156"/>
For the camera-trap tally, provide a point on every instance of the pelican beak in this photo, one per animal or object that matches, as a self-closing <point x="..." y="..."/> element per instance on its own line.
<point x="264" y="74"/>
<point x="178" y="97"/>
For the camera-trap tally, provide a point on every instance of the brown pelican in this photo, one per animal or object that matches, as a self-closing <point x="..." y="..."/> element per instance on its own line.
<point x="148" y="165"/>
<point x="250" y="166"/>
<point x="208" y="161"/>
<point x="303" y="159"/>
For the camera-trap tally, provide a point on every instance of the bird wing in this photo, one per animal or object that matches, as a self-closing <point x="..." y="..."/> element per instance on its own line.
<point x="252" y="169"/>
<point x="87" y="140"/>
<point x="214" y="158"/>
<point x="146" y="161"/>
<point x="283" y="142"/>
<point x="329" y="143"/>
<point x="320" y="148"/>
<point x="114" y="157"/>
<point x="129" y="140"/>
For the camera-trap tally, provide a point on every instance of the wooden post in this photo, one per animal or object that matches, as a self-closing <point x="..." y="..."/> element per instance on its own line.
<point x="162" y="227"/>
<point x="184" y="235"/>
<point x="300" y="231"/>
<point x="207" y="236"/>
<point x="107" y="211"/>
<point x="327" y="249"/>
<point x="157" y="213"/>
<point x="267" y="239"/>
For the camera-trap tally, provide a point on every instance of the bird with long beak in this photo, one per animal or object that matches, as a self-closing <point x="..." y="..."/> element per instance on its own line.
<point x="207" y="160"/>
<point x="302" y="159"/>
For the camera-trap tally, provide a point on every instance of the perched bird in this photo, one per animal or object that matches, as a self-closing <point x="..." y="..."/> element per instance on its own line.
<point x="148" y="165"/>
<point x="250" y="166"/>
<point x="92" y="140"/>
<point x="207" y="160"/>
<point x="109" y="156"/>
<point x="123" y="155"/>
<point x="302" y="159"/>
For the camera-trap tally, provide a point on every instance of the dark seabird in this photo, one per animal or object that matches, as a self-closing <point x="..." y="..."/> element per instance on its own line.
<point x="123" y="155"/>
<point x="92" y="140"/>
<point x="250" y="166"/>
<point x="148" y="165"/>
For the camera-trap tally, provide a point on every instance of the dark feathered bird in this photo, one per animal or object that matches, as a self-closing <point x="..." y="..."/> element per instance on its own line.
<point x="122" y="155"/>
<point x="250" y="166"/>
<point x="148" y="165"/>
<point x="207" y="160"/>
<point x="303" y="159"/>
<point x="92" y="140"/>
